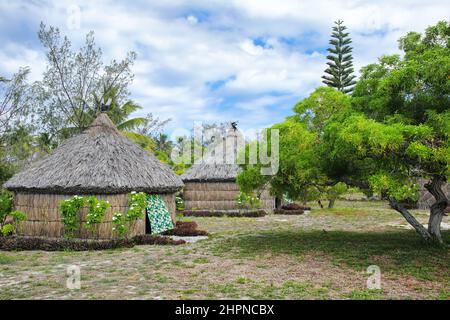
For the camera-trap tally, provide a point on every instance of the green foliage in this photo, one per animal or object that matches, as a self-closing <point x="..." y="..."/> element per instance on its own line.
<point x="296" y="159"/>
<point x="122" y="223"/>
<point x="6" y="170"/>
<point x="393" y="130"/>
<point x="250" y="201"/>
<point x="75" y="82"/>
<point x="96" y="213"/>
<point x="320" y="105"/>
<point x="7" y="229"/>
<point x="118" y="112"/>
<point x="10" y="228"/>
<point x="179" y="202"/>
<point x="163" y="157"/>
<point x="6" y="205"/>
<point x="303" y="173"/>
<point x="6" y="213"/>
<point x="339" y="73"/>
<point x="384" y="154"/>
<point x="411" y="86"/>
<point x="143" y="141"/>
<point x="119" y="225"/>
<point x="70" y="215"/>
<point x="163" y="144"/>
<point x="334" y="192"/>
<point x="388" y="185"/>
<point x="136" y="206"/>
<point x="18" y="216"/>
<point x="14" y="99"/>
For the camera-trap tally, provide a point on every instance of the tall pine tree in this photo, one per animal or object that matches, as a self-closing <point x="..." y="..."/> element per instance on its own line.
<point x="339" y="73"/>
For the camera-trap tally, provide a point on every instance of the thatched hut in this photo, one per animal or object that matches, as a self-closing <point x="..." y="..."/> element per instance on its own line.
<point x="210" y="184"/>
<point x="100" y="162"/>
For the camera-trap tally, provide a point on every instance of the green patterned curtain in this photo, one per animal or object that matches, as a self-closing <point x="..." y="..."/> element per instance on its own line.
<point x="158" y="214"/>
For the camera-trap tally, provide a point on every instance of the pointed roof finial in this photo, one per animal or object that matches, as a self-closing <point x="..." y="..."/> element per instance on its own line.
<point x="234" y="125"/>
<point x="105" y="106"/>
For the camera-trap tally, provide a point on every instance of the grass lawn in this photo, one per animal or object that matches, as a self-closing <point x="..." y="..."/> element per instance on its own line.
<point x="320" y="255"/>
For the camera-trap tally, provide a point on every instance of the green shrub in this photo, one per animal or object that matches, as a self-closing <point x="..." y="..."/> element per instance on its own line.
<point x="6" y="204"/>
<point x="95" y="214"/>
<point x="245" y="200"/>
<point x="70" y="214"/>
<point x="7" y="229"/>
<point x="119" y="225"/>
<point x="179" y="203"/>
<point x="136" y="207"/>
<point x="123" y="223"/>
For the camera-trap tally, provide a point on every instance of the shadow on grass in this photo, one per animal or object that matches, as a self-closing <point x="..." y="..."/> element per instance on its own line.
<point x="398" y="252"/>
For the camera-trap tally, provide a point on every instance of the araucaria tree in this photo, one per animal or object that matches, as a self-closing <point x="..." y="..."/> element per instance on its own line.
<point x="339" y="73"/>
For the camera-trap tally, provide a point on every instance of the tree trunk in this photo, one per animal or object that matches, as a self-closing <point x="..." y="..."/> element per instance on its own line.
<point x="331" y="203"/>
<point x="437" y="210"/>
<point x="420" y="229"/>
<point x="320" y="204"/>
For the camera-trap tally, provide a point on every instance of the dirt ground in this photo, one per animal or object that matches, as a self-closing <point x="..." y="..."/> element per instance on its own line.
<point x="323" y="254"/>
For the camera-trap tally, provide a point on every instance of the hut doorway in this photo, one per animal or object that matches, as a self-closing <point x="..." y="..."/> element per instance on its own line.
<point x="278" y="203"/>
<point x="148" y="225"/>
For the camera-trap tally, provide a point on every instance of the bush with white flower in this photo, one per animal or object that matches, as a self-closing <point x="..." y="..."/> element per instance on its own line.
<point x="70" y="215"/>
<point x="95" y="214"/>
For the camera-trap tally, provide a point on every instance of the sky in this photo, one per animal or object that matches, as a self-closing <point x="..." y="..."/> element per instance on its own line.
<point x="233" y="60"/>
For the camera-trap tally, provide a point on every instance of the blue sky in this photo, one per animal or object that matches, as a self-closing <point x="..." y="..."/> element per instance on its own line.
<point x="215" y="60"/>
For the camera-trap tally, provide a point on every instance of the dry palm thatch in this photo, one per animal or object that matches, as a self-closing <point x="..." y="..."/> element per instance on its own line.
<point x="98" y="161"/>
<point x="219" y="163"/>
<point x="211" y="172"/>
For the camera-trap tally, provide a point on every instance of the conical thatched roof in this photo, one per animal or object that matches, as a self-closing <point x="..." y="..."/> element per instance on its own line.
<point x="219" y="164"/>
<point x="98" y="161"/>
<point x="212" y="172"/>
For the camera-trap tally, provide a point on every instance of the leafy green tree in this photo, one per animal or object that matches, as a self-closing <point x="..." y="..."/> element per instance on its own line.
<point x="339" y="73"/>
<point x="388" y="158"/>
<point x="14" y="108"/>
<point x="296" y="171"/>
<point x="408" y="88"/>
<point x="319" y="106"/>
<point x="117" y="112"/>
<point x="14" y="99"/>
<point x="404" y="134"/>
<point x="303" y="173"/>
<point x="163" y="143"/>
<point x="75" y="81"/>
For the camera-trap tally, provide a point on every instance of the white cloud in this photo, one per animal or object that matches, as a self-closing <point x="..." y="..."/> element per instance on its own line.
<point x="13" y="56"/>
<point x="192" y="19"/>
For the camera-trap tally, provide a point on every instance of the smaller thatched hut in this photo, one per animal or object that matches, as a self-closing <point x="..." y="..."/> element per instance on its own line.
<point x="100" y="162"/>
<point x="210" y="184"/>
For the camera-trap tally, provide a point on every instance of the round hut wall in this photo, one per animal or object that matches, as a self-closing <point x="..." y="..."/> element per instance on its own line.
<point x="44" y="217"/>
<point x="217" y="196"/>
